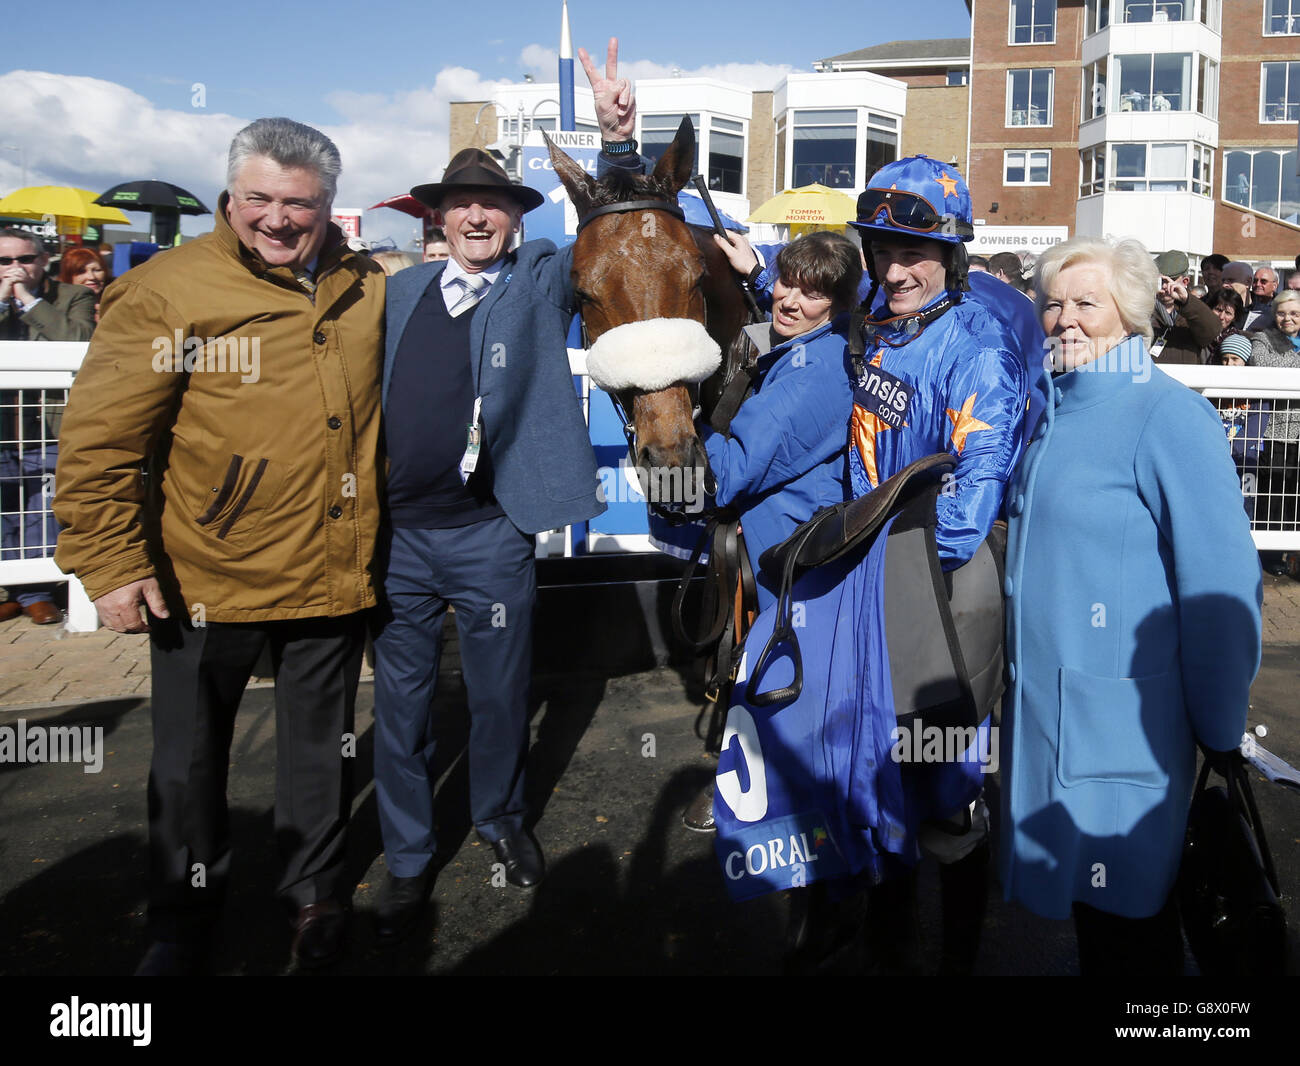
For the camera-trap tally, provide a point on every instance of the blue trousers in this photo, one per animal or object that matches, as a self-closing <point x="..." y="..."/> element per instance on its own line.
<point x="28" y="529"/>
<point x="486" y="571"/>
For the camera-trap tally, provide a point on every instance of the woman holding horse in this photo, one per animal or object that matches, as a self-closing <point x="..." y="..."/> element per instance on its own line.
<point x="786" y="455"/>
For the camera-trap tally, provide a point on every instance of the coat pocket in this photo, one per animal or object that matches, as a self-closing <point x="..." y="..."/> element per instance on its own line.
<point x="1117" y="730"/>
<point x="238" y="497"/>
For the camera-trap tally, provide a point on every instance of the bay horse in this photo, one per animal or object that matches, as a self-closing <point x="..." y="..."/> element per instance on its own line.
<point x="660" y="306"/>
<point x="662" y="311"/>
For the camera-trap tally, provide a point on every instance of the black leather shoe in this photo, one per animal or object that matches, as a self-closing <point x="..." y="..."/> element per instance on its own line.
<point x="318" y="933"/>
<point x="699" y="813"/>
<point x="521" y="857"/>
<point x="166" y="958"/>
<point x="400" y="902"/>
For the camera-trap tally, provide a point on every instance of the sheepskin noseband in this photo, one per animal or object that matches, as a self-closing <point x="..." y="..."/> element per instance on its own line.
<point x="652" y="355"/>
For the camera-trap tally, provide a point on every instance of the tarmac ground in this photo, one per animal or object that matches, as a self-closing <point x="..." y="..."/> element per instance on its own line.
<point x="613" y="763"/>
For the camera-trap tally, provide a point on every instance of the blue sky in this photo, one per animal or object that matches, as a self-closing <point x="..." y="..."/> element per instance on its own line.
<point x="376" y="76"/>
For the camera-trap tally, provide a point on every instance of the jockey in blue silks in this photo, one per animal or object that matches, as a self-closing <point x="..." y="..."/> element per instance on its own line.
<point x="818" y="789"/>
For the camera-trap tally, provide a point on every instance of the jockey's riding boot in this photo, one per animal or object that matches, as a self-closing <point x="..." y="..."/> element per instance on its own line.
<point x="823" y="931"/>
<point x="963" y="891"/>
<point x="892" y="942"/>
<point x="699" y="812"/>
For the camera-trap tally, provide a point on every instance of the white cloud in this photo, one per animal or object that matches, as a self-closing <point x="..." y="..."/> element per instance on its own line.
<point x="93" y="133"/>
<point x="542" y="63"/>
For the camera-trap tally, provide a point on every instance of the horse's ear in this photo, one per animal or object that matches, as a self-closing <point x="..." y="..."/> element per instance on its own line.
<point x="677" y="164"/>
<point x="576" y="181"/>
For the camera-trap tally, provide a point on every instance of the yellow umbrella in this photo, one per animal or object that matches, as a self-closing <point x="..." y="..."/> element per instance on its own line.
<point x="807" y="205"/>
<point x="71" y="208"/>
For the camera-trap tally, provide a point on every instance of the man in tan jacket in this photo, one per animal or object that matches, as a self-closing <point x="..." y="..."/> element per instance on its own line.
<point x="219" y="468"/>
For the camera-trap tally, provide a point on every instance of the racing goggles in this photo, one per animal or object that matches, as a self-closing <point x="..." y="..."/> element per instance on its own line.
<point x="906" y="210"/>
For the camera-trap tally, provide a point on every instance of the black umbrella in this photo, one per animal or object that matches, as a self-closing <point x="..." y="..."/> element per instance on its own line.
<point x="164" y="201"/>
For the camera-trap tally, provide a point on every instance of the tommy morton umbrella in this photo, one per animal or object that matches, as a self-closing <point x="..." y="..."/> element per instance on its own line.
<point x="164" y="201"/>
<point x="70" y="207"/>
<point x="813" y="204"/>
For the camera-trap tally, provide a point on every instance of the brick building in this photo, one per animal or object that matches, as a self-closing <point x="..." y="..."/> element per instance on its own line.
<point x="1174" y="121"/>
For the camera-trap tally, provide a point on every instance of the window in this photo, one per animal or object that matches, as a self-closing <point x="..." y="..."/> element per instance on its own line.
<point x="1029" y="97"/>
<point x="1094" y="90"/>
<point x="1092" y="178"/>
<point x="959" y="76"/>
<point x="1027" y="168"/>
<point x="1211" y="10"/>
<point x="1263" y="180"/>
<point x="1202" y="164"/>
<point x="780" y="150"/>
<point x="825" y="148"/>
<point x="1160" y="82"/>
<point x="1096" y="16"/>
<point x="1207" y="87"/>
<point x="658" y="131"/>
<point x="1280" y="92"/>
<point x="1138" y="11"/>
<point x="882" y="141"/>
<point x="1158" y="167"/>
<point x="1281" y="17"/>
<point x="1128" y="161"/>
<point x="1033" y="21"/>
<point x="726" y="155"/>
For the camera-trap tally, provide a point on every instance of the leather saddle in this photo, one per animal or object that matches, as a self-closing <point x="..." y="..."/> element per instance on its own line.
<point x="944" y="628"/>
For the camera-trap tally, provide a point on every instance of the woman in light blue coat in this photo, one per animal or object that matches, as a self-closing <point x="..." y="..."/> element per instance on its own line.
<point x="1133" y="622"/>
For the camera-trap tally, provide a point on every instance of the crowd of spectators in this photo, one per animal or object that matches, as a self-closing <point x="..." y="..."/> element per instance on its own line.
<point x="37" y="306"/>
<point x="1234" y="314"/>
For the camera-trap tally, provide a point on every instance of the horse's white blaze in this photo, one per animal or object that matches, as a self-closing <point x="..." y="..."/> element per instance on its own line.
<point x="653" y="355"/>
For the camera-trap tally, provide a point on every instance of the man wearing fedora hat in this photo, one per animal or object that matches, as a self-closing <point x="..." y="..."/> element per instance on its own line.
<point x="487" y="447"/>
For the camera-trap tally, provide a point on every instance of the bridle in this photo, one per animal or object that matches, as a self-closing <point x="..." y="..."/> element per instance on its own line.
<point x="666" y="206"/>
<point x="673" y="514"/>
<point x="730" y="597"/>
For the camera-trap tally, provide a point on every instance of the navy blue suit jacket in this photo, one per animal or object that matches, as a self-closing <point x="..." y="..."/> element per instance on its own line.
<point x="544" y="471"/>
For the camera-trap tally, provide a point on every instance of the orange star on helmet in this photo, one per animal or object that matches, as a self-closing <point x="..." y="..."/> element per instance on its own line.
<point x="949" y="184"/>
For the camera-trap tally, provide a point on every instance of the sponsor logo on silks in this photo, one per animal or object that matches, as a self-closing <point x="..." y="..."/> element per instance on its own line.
<point x="880" y="393"/>
<point x="787" y="852"/>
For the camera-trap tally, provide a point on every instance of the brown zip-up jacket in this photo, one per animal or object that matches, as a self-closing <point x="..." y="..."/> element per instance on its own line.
<point x="254" y="406"/>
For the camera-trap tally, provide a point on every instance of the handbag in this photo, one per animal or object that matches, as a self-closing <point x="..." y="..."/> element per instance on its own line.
<point x="1227" y="885"/>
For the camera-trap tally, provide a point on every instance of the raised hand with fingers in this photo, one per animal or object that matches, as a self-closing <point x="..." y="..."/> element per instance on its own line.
<point x="615" y="104"/>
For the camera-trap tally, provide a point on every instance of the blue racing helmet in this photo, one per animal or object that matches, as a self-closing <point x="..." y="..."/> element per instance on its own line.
<point x="917" y="197"/>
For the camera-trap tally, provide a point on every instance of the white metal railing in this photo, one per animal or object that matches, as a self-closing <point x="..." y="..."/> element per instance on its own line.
<point x="1256" y="404"/>
<point x="34" y="382"/>
<point x="1260" y="409"/>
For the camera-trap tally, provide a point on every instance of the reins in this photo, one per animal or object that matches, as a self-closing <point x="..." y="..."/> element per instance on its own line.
<point x="730" y="598"/>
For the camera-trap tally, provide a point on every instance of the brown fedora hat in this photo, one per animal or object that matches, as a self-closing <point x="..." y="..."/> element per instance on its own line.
<point x="473" y="168"/>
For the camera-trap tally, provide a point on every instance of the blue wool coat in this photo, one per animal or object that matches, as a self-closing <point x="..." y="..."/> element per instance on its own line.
<point x="787" y="456"/>
<point x="1133" y="631"/>
<point x="544" y="471"/>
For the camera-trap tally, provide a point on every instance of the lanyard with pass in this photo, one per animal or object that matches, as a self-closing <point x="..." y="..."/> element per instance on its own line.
<point x="474" y="440"/>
